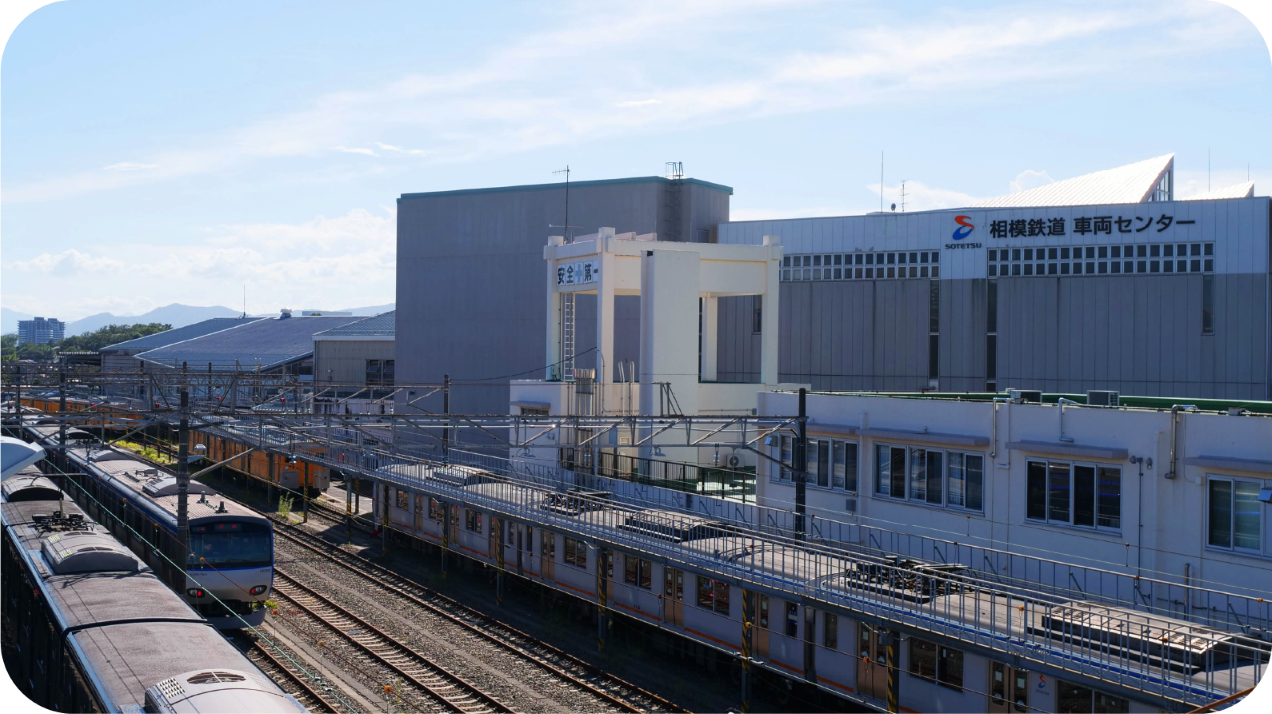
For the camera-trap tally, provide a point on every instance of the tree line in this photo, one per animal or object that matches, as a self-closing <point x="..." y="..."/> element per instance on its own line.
<point x="87" y="342"/>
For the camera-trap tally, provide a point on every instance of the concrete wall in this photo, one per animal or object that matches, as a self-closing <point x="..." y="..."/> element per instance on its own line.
<point x="470" y="275"/>
<point x="345" y="361"/>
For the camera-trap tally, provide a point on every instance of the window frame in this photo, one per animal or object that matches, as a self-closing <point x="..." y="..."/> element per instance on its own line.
<point x="638" y="572"/>
<point x="1261" y="538"/>
<point x="572" y="548"/>
<point x="909" y="472"/>
<point x="1097" y="470"/>
<point x="715" y="588"/>
<point x="785" y="449"/>
<point x="436" y="510"/>
<point x="473" y="517"/>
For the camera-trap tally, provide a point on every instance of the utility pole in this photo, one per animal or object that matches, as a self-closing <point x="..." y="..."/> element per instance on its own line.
<point x="800" y="467"/>
<point x="61" y="411"/>
<point x="183" y="485"/>
<point x="446" y="410"/>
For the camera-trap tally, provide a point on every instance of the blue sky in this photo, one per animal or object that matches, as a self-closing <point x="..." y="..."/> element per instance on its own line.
<point x="157" y="152"/>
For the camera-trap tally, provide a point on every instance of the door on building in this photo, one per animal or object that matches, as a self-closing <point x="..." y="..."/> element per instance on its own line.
<point x="547" y="555"/>
<point x="762" y="628"/>
<point x="674" y="596"/>
<point x="1008" y="689"/>
<point x="872" y="662"/>
<point x="419" y="513"/>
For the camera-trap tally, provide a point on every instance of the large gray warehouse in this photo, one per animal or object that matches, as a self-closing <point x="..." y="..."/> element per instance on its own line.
<point x="1103" y="281"/>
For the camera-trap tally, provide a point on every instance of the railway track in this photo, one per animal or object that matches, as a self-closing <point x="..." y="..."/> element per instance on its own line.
<point x="577" y="673"/>
<point x="279" y="669"/>
<point x="453" y="691"/>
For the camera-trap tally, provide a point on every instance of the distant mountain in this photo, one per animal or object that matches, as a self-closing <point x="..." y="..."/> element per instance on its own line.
<point x="372" y="310"/>
<point x="176" y="314"/>
<point x="9" y="319"/>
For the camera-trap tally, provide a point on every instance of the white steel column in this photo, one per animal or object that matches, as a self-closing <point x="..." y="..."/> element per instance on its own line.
<point x="710" y="334"/>
<point x="605" y="312"/>
<point x="770" y="311"/>
<point x="669" y="329"/>
<point x="554" y="311"/>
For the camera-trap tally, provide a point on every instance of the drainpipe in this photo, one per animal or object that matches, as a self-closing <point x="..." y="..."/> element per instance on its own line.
<point x="1062" y="401"/>
<point x="993" y="453"/>
<point x="1174" y="419"/>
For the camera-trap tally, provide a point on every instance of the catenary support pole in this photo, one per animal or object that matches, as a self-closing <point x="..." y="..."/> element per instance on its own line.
<point x="800" y="467"/>
<point x="183" y="486"/>
<point x="748" y="634"/>
<point x="446" y="410"/>
<point x="894" y="680"/>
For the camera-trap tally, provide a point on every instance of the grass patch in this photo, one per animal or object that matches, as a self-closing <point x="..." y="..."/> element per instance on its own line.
<point x="147" y="452"/>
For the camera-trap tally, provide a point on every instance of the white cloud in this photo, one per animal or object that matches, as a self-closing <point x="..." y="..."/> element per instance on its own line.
<point x="638" y="103"/>
<point x="1029" y="178"/>
<point x="68" y="262"/>
<point x="347" y="150"/>
<point x="129" y="166"/>
<point x="399" y="149"/>
<point x="920" y="197"/>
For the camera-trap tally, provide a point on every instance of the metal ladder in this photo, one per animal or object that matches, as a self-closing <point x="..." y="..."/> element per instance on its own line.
<point x="567" y="336"/>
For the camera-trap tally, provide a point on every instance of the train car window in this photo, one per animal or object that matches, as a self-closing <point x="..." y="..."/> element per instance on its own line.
<point x="631" y="574"/>
<point x="1072" y="698"/>
<point x="576" y="553"/>
<point x="949" y="668"/>
<point x="436" y="510"/>
<point x="706" y="593"/>
<point x="764" y="612"/>
<point x="638" y="572"/>
<point x="530" y="539"/>
<point x="473" y="521"/>
<point x="830" y="627"/>
<point x="230" y="544"/>
<point x="547" y="548"/>
<point x="923" y="659"/>
<point x="403" y="499"/>
<point x="721" y="597"/>
<point x="792" y="619"/>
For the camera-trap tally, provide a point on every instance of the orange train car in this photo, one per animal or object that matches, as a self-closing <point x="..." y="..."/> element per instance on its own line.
<point x="270" y="467"/>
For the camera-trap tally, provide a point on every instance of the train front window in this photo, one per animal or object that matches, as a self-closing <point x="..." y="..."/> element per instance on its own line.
<point x="230" y="544"/>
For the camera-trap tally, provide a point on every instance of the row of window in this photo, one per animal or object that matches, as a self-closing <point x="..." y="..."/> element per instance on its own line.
<point x="381" y="372"/>
<point x="935" y="477"/>
<point x="1073" y="494"/>
<point x="858" y="266"/>
<point x="832" y="463"/>
<point x="1103" y="259"/>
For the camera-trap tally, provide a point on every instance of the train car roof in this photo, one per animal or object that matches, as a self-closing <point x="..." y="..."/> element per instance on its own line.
<point x="127" y="471"/>
<point x="29" y="487"/>
<point x="198" y="650"/>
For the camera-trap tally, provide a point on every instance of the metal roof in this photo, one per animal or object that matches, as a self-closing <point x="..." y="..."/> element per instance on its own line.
<point x="180" y="334"/>
<point x="1239" y="190"/>
<point x="381" y="325"/>
<point x="573" y="184"/>
<point x="1132" y="183"/>
<point x="265" y="343"/>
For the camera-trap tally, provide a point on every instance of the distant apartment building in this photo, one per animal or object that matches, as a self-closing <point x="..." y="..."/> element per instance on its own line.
<point x="41" y="331"/>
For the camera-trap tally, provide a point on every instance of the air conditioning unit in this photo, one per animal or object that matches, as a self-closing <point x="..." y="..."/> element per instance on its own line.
<point x="1028" y="396"/>
<point x="1101" y="398"/>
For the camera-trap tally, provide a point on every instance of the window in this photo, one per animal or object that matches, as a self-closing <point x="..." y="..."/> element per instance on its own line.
<point x="1073" y="494"/>
<point x="1000" y="260"/>
<point x="935" y="663"/>
<point x="576" y="553"/>
<point x="436" y="510"/>
<point x="472" y="521"/>
<point x="638" y="572"/>
<point x="387" y="372"/>
<point x="785" y="455"/>
<point x="403" y="499"/>
<point x="792" y="620"/>
<point x="832" y="463"/>
<point x="1235" y="514"/>
<point x="830" y="630"/>
<point x="934" y="328"/>
<point x="1073" y="698"/>
<point x="936" y="477"/>
<point x="713" y="595"/>
<point x="757" y="313"/>
<point x="373" y="371"/>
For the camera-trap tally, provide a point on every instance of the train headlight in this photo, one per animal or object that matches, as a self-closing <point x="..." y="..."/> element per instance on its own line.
<point x="196" y="592"/>
<point x="259" y="589"/>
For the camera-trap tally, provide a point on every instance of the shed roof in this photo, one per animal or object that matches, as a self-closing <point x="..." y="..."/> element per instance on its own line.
<point x="381" y="325"/>
<point x="1238" y="190"/>
<point x="179" y="334"/>
<point x="265" y="343"/>
<point x="1132" y="183"/>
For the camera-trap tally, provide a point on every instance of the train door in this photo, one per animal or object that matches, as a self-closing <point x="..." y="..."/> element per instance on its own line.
<point x="453" y="510"/>
<point x="1008" y="689"/>
<point x="494" y="542"/>
<point x="547" y="555"/>
<point x="810" y="644"/>
<point x="419" y="513"/>
<point x="762" y="629"/>
<point x="872" y="664"/>
<point x="674" y="596"/>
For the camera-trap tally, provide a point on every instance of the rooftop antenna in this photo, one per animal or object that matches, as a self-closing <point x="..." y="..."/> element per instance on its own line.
<point x="903" y="196"/>
<point x="567" y="226"/>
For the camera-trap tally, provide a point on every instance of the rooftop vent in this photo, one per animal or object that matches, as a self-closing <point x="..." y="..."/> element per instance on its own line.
<point x="220" y="690"/>
<point x="286" y="313"/>
<point x="167" y="486"/>
<point x="86" y="552"/>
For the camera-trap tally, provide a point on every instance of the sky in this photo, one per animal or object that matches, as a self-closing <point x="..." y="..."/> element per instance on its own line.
<point x="156" y="152"/>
